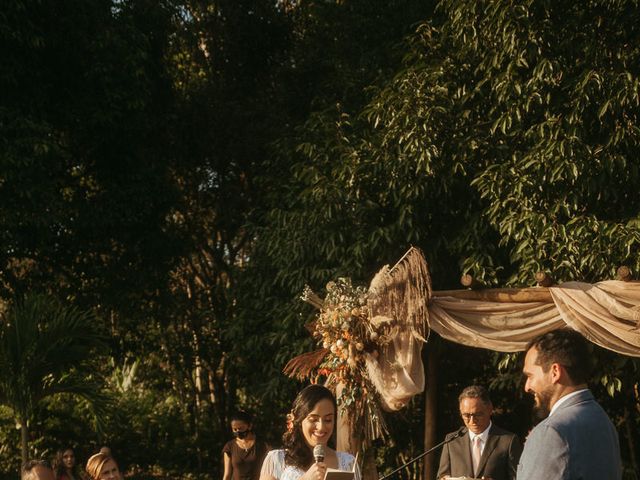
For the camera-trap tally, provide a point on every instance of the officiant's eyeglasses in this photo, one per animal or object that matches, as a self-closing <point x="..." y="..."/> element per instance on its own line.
<point x="469" y="416"/>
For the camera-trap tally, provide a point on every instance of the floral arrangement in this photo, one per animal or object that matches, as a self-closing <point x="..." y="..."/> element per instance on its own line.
<point x="344" y="331"/>
<point x="364" y="335"/>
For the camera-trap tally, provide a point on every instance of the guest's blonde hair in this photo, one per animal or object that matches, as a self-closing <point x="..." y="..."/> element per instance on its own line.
<point x="95" y="464"/>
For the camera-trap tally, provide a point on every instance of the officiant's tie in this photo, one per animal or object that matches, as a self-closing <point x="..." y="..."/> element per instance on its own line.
<point x="476" y="453"/>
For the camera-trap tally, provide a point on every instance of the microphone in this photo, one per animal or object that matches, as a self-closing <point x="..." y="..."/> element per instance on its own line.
<point x="458" y="433"/>
<point x="318" y="453"/>
<point x="452" y="436"/>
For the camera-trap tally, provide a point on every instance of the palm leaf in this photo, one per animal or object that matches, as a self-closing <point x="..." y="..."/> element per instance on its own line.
<point x="300" y="367"/>
<point x="45" y="349"/>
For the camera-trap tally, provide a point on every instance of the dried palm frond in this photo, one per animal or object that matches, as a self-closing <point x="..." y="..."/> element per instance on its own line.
<point x="402" y="293"/>
<point x="302" y="366"/>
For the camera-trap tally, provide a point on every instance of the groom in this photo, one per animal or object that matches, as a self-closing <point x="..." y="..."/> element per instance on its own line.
<point x="576" y="440"/>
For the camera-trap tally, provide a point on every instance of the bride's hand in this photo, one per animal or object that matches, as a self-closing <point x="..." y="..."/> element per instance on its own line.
<point x="316" y="472"/>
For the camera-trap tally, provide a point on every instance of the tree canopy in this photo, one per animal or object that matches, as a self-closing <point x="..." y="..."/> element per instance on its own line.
<point x="183" y="168"/>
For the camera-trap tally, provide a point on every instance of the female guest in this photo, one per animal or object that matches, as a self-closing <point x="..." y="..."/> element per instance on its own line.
<point x="243" y="455"/>
<point x="310" y="423"/>
<point x="65" y="467"/>
<point x="103" y="467"/>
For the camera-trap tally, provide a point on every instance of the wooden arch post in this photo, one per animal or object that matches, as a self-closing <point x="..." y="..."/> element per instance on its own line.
<point x="346" y="439"/>
<point x="431" y="414"/>
<point x="349" y="440"/>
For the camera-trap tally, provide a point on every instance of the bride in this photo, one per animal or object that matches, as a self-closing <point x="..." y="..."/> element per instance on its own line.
<point x="311" y="422"/>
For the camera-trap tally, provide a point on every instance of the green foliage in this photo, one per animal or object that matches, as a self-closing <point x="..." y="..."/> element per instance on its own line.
<point x="83" y="188"/>
<point x="506" y="144"/>
<point x="45" y="350"/>
<point x="151" y="428"/>
<point x="554" y="128"/>
<point x="43" y="345"/>
<point x="9" y="441"/>
<point x="185" y="168"/>
<point x="307" y="224"/>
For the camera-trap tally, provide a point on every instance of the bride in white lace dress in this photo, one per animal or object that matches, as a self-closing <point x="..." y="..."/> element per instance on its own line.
<point x="311" y="422"/>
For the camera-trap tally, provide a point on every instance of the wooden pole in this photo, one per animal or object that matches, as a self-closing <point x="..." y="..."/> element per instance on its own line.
<point x="630" y="442"/>
<point x="532" y="294"/>
<point x="430" y="466"/>
<point x="346" y="440"/>
<point x="543" y="279"/>
<point x="468" y="281"/>
<point x="516" y="295"/>
<point x="349" y="441"/>
<point x="624" y="273"/>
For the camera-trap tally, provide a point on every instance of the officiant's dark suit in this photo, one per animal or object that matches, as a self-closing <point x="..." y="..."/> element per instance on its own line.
<point x="501" y="448"/>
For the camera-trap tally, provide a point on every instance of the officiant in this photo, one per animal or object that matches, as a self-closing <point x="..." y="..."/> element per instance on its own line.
<point x="485" y="450"/>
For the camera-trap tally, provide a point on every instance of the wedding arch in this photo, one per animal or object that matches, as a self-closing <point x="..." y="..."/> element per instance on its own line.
<point x="370" y="339"/>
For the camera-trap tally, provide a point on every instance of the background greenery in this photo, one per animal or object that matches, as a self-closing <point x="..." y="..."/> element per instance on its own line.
<point x="182" y="168"/>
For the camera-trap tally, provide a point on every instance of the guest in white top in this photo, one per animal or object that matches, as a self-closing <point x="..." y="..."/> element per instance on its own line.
<point x="311" y="422"/>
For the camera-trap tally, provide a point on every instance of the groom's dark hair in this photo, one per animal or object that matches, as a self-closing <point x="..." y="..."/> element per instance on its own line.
<point x="567" y="348"/>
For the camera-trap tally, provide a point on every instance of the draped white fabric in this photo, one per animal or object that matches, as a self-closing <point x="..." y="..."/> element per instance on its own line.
<point x="399" y="380"/>
<point x="607" y="313"/>
<point x="398" y="307"/>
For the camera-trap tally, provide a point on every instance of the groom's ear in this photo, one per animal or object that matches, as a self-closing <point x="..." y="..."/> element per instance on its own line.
<point x="556" y="371"/>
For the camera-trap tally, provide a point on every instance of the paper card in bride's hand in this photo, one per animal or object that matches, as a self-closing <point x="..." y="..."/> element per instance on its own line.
<point x="334" y="474"/>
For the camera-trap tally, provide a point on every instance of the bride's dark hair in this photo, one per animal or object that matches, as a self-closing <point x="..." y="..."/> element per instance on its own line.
<point x="298" y="453"/>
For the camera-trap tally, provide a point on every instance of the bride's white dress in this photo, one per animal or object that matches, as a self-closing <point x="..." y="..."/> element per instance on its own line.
<point x="274" y="466"/>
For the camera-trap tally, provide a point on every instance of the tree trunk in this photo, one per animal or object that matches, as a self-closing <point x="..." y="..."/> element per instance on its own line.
<point x="24" y="439"/>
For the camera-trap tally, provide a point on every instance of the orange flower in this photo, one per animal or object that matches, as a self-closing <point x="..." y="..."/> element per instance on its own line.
<point x="290" y="419"/>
